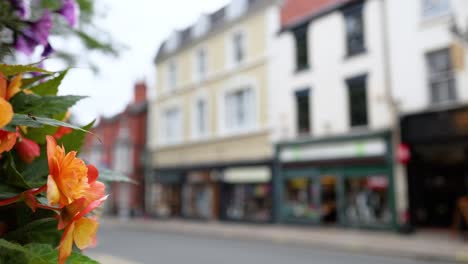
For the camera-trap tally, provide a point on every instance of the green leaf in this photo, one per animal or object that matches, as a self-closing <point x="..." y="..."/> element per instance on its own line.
<point x="43" y="105"/>
<point x="13" y="177"/>
<point x="41" y="254"/>
<point x="49" y="87"/>
<point x="109" y="176"/>
<point x="33" y="121"/>
<point x="36" y="173"/>
<point x="12" y="246"/>
<point x="10" y="70"/>
<point x="43" y="230"/>
<point x="8" y="191"/>
<point x="27" y="82"/>
<point x="78" y="258"/>
<point x="74" y="140"/>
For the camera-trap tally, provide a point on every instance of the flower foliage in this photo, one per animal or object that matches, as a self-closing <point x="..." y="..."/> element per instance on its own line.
<point x="42" y="179"/>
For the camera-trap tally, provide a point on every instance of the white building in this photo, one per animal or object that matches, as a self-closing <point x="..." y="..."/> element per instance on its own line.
<point x="344" y="73"/>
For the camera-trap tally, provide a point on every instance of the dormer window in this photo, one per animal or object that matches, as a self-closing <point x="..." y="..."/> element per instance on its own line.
<point x="201" y="27"/>
<point x="237" y="8"/>
<point x="173" y="42"/>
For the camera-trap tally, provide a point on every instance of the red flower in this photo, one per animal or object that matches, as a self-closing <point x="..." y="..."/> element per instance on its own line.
<point x="28" y="150"/>
<point x="62" y="131"/>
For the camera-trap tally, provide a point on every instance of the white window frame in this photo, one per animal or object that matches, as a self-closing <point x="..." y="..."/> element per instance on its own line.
<point x="234" y="85"/>
<point x="430" y="14"/>
<point x="123" y="150"/>
<point x="177" y="135"/>
<point x="196" y="133"/>
<point x="198" y="75"/>
<point x="231" y="48"/>
<point x="172" y="75"/>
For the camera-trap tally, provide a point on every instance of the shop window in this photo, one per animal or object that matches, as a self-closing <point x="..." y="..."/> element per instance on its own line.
<point x="328" y="198"/>
<point x="435" y="8"/>
<point x="302" y="49"/>
<point x="302" y="196"/>
<point x="248" y="202"/>
<point x="165" y="199"/>
<point x="303" y="111"/>
<point x="354" y="30"/>
<point x="366" y="201"/>
<point x="441" y="76"/>
<point x="357" y="92"/>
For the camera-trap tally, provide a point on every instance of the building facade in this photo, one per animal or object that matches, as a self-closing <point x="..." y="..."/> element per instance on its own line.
<point x="209" y="135"/>
<point x="355" y="82"/>
<point x="118" y="144"/>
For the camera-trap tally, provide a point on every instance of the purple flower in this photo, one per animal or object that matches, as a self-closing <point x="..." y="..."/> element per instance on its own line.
<point x="47" y="50"/>
<point x="70" y="11"/>
<point x="34" y="35"/>
<point x="23" y="8"/>
<point x="41" y="28"/>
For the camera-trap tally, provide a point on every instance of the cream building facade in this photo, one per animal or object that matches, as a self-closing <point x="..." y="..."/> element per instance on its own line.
<point x="209" y="125"/>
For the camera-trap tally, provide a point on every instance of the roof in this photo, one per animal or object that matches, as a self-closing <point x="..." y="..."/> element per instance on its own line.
<point x="297" y="12"/>
<point x="218" y="21"/>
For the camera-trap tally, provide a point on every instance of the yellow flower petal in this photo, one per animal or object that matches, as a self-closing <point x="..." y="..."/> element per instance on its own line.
<point x="65" y="247"/>
<point x="53" y="193"/>
<point x="85" y="232"/>
<point x="14" y="86"/>
<point x="6" y="112"/>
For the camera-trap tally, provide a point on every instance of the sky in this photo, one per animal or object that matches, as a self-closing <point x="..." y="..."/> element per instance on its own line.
<point x="141" y="25"/>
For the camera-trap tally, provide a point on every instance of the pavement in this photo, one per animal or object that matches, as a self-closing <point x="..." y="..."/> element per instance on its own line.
<point x="422" y="247"/>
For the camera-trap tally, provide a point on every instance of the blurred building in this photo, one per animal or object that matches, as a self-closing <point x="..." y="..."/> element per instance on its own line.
<point x="349" y="77"/>
<point x="119" y="146"/>
<point x="209" y="137"/>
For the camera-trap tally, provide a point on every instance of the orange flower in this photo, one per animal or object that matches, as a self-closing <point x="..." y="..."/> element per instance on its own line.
<point x="7" y="91"/>
<point x="28" y="150"/>
<point x="68" y="175"/>
<point x="7" y="140"/>
<point x="78" y="228"/>
<point x="62" y="131"/>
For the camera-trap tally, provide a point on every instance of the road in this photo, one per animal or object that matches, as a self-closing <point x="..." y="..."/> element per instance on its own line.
<point x="122" y="246"/>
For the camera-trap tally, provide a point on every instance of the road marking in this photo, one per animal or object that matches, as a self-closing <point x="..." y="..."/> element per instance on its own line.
<point x="107" y="259"/>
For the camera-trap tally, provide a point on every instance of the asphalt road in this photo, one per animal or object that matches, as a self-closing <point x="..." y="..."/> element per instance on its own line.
<point x="121" y="246"/>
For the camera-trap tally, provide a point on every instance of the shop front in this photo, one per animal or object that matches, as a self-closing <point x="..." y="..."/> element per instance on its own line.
<point x="346" y="181"/>
<point x="247" y="194"/>
<point x="165" y="195"/>
<point x="200" y="195"/>
<point x="437" y="171"/>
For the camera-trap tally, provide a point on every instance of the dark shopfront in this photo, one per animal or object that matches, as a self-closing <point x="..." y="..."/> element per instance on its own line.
<point x="165" y="195"/>
<point x="346" y="181"/>
<point x="438" y="170"/>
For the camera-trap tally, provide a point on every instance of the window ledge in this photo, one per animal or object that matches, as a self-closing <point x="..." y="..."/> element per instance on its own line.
<point x="429" y="21"/>
<point x="302" y="69"/>
<point x="362" y="52"/>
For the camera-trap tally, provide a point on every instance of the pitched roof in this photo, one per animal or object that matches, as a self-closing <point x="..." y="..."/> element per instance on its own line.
<point x="218" y="20"/>
<point x="295" y="12"/>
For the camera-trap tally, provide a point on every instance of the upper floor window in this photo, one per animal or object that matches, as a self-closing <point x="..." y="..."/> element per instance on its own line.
<point x="172" y="124"/>
<point x="240" y="109"/>
<point x="238" y="47"/>
<point x="172" y="75"/>
<point x="302" y="49"/>
<point x="123" y="161"/>
<point x="441" y="76"/>
<point x="201" y="64"/>
<point x="303" y="111"/>
<point x="200" y="118"/>
<point x="354" y="30"/>
<point x="434" y="8"/>
<point x="357" y="92"/>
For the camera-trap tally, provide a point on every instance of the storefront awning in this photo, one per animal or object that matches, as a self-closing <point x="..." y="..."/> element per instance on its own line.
<point x="258" y="174"/>
<point x="168" y="177"/>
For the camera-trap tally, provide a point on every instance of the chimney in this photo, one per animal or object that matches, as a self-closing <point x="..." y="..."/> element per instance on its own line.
<point x="139" y="92"/>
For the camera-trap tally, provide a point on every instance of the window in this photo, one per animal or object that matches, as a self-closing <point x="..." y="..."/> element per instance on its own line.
<point x="354" y="30"/>
<point x="358" y="101"/>
<point x="201" y="64"/>
<point x="303" y="111"/>
<point x="239" y="109"/>
<point x="238" y="47"/>
<point x="172" y="75"/>
<point x="302" y="53"/>
<point x="172" y="126"/>
<point x="122" y="157"/>
<point x="441" y="76"/>
<point x="201" y="120"/>
<point x="434" y="8"/>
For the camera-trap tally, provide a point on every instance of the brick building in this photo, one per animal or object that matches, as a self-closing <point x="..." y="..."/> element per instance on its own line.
<point x="121" y="149"/>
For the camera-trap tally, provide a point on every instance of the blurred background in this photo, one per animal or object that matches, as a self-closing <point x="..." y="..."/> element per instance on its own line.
<point x="293" y="131"/>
